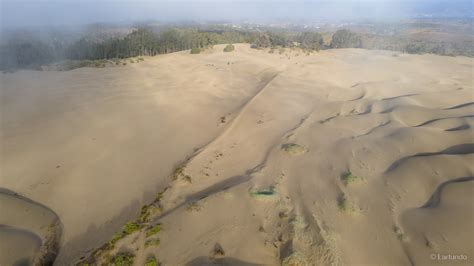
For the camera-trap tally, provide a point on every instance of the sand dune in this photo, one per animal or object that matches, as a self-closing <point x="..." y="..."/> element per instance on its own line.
<point x="344" y="156"/>
<point x="30" y="232"/>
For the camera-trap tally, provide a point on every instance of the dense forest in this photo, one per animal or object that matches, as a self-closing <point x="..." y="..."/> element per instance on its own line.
<point x="146" y="42"/>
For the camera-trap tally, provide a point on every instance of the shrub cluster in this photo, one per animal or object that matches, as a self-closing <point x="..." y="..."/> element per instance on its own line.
<point x="229" y="48"/>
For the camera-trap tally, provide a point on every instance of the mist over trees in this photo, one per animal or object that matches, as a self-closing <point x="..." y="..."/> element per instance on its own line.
<point x="311" y="40"/>
<point x="346" y="39"/>
<point x="34" y="53"/>
<point x="140" y="42"/>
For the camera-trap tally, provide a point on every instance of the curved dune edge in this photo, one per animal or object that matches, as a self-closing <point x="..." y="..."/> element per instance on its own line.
<point x="24" y="217"/>
<point x="441" y="225"/>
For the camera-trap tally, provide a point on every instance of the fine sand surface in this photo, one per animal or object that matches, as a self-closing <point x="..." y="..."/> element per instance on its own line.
<point x="348" y="156"/>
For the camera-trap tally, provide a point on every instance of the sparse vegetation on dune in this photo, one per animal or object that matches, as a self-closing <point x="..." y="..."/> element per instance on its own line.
<point x="148" y="211"/>
<point x="264" y="192"/>
<point x="295" y="259"/>
<point x="229" y="48"/>
<point x="193" y="207"/>
<point x="293" y="149"/>
<point x="349" y="177"/>
<point x="269" y="193"/>
<point x="151" y="261"/>
<point x="152" y="243"/>
<point x="178" y="172"/>
<point x="187" y="178"/>
<point x="153" y="230"/>
<point x="123" y="259"/>
<point x="344" y="204"/>
<point x="127" y="229"/>
<point x="399" y="233"/>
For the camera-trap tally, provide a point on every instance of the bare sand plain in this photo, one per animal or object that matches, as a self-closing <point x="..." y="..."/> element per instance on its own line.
<point x="341" y="157"/>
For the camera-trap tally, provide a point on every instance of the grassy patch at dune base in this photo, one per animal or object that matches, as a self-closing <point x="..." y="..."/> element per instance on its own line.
<point x="195" y="51"/>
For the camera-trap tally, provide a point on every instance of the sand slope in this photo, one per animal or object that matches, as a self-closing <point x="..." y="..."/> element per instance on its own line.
<point x="94" y="145"/>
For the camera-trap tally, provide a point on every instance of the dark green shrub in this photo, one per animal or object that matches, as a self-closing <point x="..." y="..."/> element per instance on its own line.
<point x="229" y="48"/>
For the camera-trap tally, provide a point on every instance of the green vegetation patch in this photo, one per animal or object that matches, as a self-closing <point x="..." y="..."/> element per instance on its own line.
<point x="195" y="51"/>
<point x="266" y="193"/>
<point x="229" y="48"/>
<point x="159" y="196"/>
<point x="344" y="204"/>
<point x="152" y="243"/>
<point x="127" y="229"/>
<point x="349" y="177"/>
<point x="153" y="230"/>
<point x="151" y="261"/>
<point x="123" y="259"/>
<point x="293" y="149"/>
<point x="131" y="227"/>
<point x="148" y="211"/>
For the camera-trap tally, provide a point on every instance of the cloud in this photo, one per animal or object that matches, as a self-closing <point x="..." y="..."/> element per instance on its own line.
<point x="67" y="12"/>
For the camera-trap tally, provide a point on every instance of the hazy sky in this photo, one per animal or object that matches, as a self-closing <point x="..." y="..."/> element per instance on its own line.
<point x="72" y="12"/>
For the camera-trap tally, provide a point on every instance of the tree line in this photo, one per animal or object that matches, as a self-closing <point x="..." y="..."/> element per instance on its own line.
<point x="146" y="42"/>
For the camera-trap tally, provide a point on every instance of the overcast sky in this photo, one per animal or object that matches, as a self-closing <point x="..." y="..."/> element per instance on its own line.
<point x="79" y="12"/>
